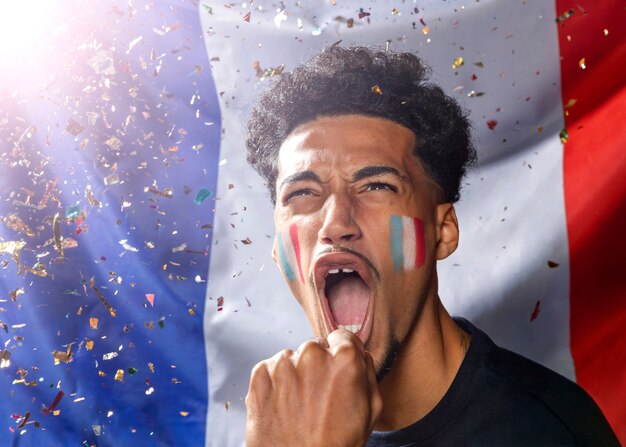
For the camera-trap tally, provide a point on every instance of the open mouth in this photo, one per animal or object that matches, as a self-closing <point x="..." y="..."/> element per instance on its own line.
<point x="343" y="285"/>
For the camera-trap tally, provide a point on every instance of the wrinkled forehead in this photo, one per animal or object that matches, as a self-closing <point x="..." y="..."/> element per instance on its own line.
<point x="346" y="139"/>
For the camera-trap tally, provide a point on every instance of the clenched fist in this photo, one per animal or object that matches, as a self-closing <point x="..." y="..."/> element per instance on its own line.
<point x="324" y="394"/>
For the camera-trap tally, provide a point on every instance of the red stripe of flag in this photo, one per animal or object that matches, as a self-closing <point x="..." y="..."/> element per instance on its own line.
<point x="420" y="254"/>
<point x="293" y="234"/>
<point x="593" y="70"/>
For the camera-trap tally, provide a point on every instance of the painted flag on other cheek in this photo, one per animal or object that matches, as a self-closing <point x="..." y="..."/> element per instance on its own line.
<point x="407" y="242"/>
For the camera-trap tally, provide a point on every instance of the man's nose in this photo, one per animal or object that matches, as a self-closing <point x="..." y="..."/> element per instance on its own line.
<point x="339" y="225"/>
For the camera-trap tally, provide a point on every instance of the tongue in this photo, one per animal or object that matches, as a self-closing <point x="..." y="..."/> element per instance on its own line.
<point x="348" y="300"/>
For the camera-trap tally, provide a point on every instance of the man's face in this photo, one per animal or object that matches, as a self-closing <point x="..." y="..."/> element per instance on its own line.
<point x="358" y="229"/>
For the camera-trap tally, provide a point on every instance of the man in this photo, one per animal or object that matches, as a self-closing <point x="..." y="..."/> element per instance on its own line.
<point x="363" y="158"/>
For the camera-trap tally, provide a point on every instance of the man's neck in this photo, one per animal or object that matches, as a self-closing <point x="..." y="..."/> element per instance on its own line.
<point x="424" y="370"/>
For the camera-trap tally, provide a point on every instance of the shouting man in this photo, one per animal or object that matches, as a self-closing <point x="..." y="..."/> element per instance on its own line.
<point x="363" y="158"/>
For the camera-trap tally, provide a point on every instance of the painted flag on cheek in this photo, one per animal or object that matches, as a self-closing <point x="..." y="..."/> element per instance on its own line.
<point x="289" y="253"/>
<point x="406" y="236"/>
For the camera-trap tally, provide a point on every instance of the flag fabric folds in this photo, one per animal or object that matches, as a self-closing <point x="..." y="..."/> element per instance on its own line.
<point x="137" y="287"/>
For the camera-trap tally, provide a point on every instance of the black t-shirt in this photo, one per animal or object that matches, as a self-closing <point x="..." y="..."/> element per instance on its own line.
<point x="499" y="398"/>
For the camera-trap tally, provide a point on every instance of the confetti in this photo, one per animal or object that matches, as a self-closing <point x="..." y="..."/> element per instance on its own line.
<point x="582" y="64"/>
<point x="202" y="194"/>
<point x="74" y="127"/>
<point x="376" y="89"/>
<point x="535" y="313"/>
<point x="553" y="264"/>
<point x="119" y="375"/>
<point x="54" y="403"/>
<point x="246" y="17"/>
<point x="566" y="15"/>
<point x="110" y="355"/>
<point x="93" y="323"/>
<point x="104" y="301"/>
<point x="65" y="357"/>
<point x="150" y="298"/>
<point x="491" y="124"/>
<point x="458" y="62"/>
<point x="56" y="225"/>
<point x="563" y="135"/>
<point x="112" y="179"/>
<point x="220" y="303"/>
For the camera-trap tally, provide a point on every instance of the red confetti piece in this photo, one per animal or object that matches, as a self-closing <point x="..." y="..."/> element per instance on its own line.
<point x="535" y="313"/>
<point x="491" y="124"/>
<point x="54" y="403"/>
<point x="247" y="16"/>
<point x="150" y="298"/>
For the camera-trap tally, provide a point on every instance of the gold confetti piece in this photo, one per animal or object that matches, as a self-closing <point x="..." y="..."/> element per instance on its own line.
<point x="227" y="405"/>
<point x="104" y="301"/>
<point x="458" y="62"/>
<point x="56" y="225"/>
<point x="376" y="89"/>
<point x="93" y="323"/>
<point x="570" y="103"/>
<point x="13" y="294"/>
<point x="88" y="344"/>
<point x="539" y="129"/>
<point x="566" y="15"/>
<point x="119" y="375"/>
<point x="74" y="127"/>
<point x="64" y="357"/>
<point x="425" y="30"/>
<point x="112" y="179"/>
<point x="191" y="312"/>
<point x="114" y="143"/>
<point x="5" y="358"/>
<point x="184" y="414"/>
<point x="12" y="247"/>
<point x="90" y="198"/>
<point x="16" y="224"/>
<point x="582" y="64"/>
<point x="167" y="192"/>
<point x="151" y="367"/>
<point x="180" y="247"/>
<point x="395" y="12"/>
<point x="102" y="373"/>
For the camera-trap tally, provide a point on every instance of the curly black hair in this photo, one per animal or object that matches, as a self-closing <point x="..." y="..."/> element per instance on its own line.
<point x="360" y="80"/>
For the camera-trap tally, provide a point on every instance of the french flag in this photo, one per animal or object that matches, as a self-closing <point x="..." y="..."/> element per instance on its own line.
<point x="137" y="288"/>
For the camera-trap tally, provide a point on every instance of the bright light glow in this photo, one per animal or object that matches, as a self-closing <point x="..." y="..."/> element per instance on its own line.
<point x="24" y="25"/>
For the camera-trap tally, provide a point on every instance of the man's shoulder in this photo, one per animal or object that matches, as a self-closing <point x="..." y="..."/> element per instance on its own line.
<point x="549" y="395"/>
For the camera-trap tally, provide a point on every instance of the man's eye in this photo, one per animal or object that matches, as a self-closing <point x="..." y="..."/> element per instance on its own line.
<point x="299" y="192"/>
<point x="378" y="186"/>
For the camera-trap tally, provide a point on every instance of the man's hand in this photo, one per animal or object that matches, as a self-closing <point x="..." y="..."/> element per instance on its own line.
<point x="324" y="394"/>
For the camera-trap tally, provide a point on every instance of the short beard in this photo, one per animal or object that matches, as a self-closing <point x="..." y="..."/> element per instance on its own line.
<point x="391" y="354"/>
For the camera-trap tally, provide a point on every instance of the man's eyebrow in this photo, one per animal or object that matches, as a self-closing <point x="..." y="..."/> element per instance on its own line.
<point x="372" y="171"/>
<point x="301" y="176"/>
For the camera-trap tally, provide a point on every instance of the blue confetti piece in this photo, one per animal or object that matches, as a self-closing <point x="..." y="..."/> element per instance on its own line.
<point x="202" y="195"/>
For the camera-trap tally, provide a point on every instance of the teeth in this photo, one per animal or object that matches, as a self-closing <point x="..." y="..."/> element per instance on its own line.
<point x="335" y="271"/>
<point x="354" y="328"/>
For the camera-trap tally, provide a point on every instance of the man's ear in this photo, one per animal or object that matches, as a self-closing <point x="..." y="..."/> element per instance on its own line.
<point x="447" y="231"/>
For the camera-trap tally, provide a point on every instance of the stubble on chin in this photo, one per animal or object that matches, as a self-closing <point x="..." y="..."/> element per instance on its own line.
<point x="383" y="366"/>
